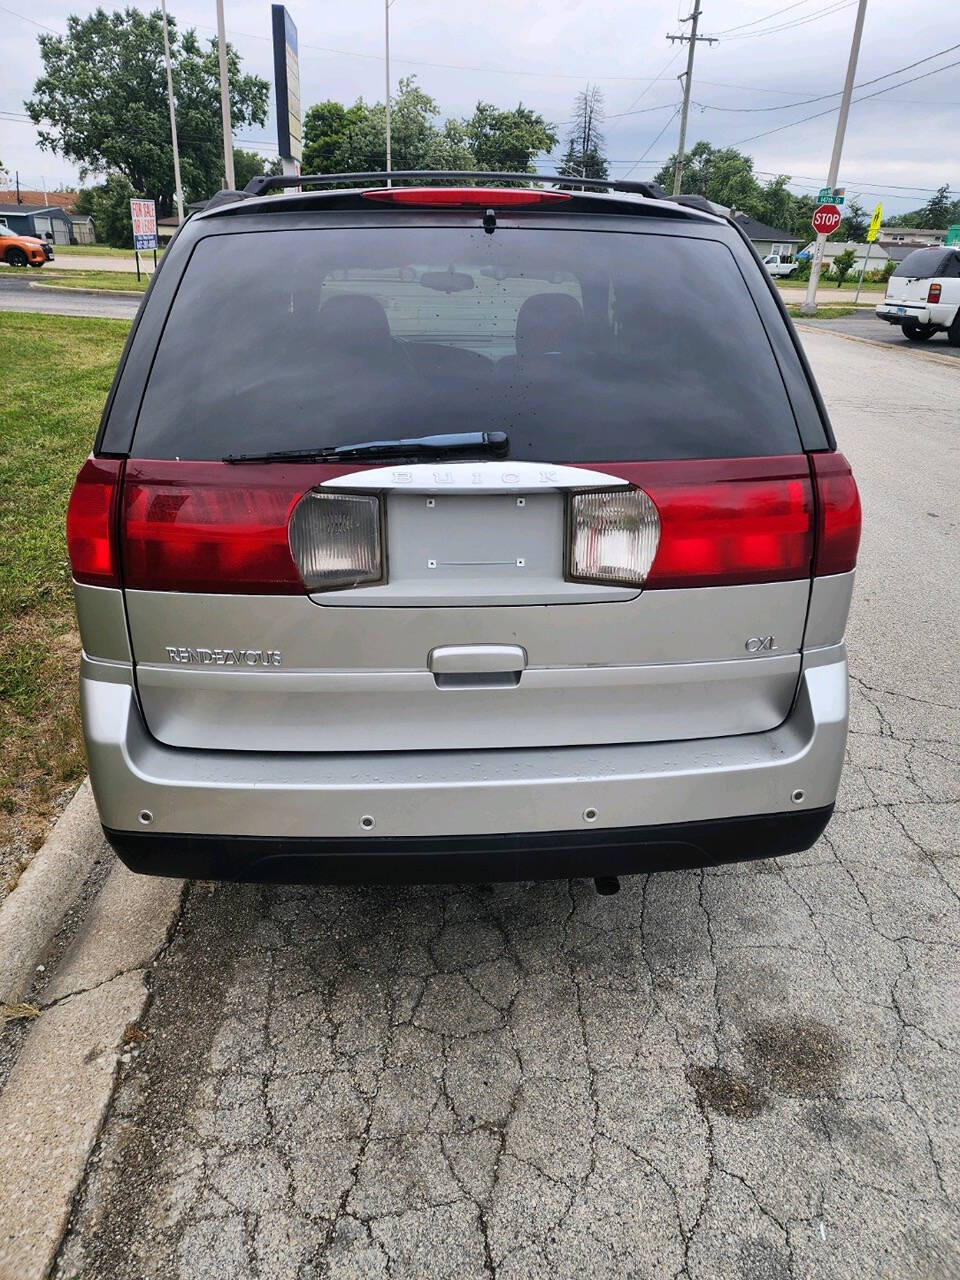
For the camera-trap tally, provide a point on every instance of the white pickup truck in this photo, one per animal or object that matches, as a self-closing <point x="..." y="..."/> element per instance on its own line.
<point x="780" y="264"/>
<point x="923" y="295"/>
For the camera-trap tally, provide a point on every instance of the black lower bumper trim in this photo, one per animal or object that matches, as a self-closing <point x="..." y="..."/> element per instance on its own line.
<point x="449" y="859"/>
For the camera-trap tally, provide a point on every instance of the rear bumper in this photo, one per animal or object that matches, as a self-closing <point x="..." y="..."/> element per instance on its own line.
<point x="546" y="855"/>
<point x="222" y="813"/>
<point x="938" y="314"/>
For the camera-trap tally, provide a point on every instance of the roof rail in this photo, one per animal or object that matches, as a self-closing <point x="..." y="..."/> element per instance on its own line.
<point x="276" y="182"/>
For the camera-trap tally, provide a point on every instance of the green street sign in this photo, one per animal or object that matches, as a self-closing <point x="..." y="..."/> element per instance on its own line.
<point x="831" y="195"/>
<point x="953" y="234"/>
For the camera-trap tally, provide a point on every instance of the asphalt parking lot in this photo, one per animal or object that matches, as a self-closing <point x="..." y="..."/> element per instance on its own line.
<point x="746" y="1072"/>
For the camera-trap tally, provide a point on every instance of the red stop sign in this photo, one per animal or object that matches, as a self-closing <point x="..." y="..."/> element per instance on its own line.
<point x="826" y="219"/>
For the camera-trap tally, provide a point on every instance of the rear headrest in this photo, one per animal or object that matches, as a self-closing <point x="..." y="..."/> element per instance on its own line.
<point x="353" y="323"/>
<point x="548" y="322"/>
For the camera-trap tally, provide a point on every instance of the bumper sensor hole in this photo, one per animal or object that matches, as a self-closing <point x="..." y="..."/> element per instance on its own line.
<point x="798" y="796"/>
<point x="367" y="822"/>
<point x="590" y="815"/>
<point x="145" y="817"/>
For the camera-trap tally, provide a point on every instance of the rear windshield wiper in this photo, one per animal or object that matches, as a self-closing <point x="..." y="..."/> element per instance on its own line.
<point x="493" y="442"/>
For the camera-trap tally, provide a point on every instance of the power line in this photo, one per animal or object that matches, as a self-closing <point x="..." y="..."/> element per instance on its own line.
<point x="35" y="23"/>
<point x="661" y="106"/>
<point x="820" y="114"/>
<point x="797" y="22"/>
<point x="804" y="102"/>
<point x="653" y="144"/>
<point x="629" y="111"/>
<point x="756" y="22"/>
<point x="379" y="57"/>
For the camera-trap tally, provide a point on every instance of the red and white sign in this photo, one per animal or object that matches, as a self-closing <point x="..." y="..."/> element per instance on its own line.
<point x="826" y="219"/>
<point x="143" y="214"/>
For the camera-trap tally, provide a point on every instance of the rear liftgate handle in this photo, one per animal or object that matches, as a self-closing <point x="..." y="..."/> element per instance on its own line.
<point x="477" y="666"/>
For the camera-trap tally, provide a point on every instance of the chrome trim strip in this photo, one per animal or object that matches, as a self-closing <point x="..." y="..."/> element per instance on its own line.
<point x="475" y="477"/>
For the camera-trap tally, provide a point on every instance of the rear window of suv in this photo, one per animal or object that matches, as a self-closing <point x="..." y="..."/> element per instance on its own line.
<point x="582" y="345"/>
<point x="923" y="264"/>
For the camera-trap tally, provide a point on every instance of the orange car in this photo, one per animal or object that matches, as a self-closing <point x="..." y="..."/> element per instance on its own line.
<point x="22" y="251"/>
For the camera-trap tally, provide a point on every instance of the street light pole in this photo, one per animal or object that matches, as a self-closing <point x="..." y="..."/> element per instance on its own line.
<point x="173" y="115"/>
<point x="810" y="305"/>
<point x="386" y="35"/>
<point x="225" y="101"/>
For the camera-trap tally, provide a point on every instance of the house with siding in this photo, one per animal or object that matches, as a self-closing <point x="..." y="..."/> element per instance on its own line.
<point x="766" y="239"/>
<point x="46" y="222"/>
<point x="875" y="255"/>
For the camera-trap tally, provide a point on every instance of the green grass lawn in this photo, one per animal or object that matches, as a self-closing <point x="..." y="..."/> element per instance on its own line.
<point x="824" y="313"/>
<point x="96" y="251"/>
<point x="869" y="286"/>
<point x="115" y="281"/>
<point x="55" y="372"/>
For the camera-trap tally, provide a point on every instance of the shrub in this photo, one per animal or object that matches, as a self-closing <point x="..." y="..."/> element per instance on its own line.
<point x="843" y="264"/>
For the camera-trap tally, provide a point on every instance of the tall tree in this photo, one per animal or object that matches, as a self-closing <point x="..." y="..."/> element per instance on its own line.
<point x="938" y="210"/>
<point x="109" y="207"/>
<point x="856" y="222"/>
<point x="325" y="126"/>
<point x="247" y="165"/>
<point x="356" y="140"/>
<point x="585" y="142"/>
<point x="102" y="102"/>
<point x="507" y="140"/>
<point x="722" y="174"/>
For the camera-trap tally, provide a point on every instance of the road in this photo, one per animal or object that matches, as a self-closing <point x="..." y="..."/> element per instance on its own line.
<point x="17" y="294"/>
<point x="864" y="324"/>
<point x="746" y="1073"/>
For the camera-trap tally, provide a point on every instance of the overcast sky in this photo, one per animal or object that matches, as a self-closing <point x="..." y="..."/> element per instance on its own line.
<point x="899" y="146"/>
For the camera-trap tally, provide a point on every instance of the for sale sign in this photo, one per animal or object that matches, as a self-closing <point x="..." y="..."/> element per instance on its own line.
<point x="826" y="219"/>
<point x="143" y="214"/>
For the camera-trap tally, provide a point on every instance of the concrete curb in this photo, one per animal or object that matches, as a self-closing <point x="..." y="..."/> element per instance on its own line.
<point x="34" y="911"/>
<point x="59" y="1089"/>
<point x="84" y="289"/>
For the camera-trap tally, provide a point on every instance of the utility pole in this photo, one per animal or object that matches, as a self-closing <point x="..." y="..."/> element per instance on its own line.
<point x="173" y="115"/>
<point x="691" y="39"/>
<point x="810" y="305"/>
<point x="225" y="101"/>
<point x="386" y="41"/>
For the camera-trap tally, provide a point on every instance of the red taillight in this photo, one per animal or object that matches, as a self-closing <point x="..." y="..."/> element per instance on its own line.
<point x="728" y="521"/>
<point x="838" y="514"/>
<point x="933" y="293"/>
<point x="206" y="526"/>
<point x="92" y="523"/>
<point x="466" y="197"/>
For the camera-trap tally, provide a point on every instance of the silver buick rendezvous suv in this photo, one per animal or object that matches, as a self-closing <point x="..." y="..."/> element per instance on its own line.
<point x="461" y="529"/>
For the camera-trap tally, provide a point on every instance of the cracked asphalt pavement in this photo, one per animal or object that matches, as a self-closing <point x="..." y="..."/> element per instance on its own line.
<point x="745" y="1072"/>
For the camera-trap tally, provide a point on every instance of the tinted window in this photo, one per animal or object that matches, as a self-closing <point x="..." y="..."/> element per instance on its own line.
<point x="921" y="264"/>
<point x="583" y="346"/>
